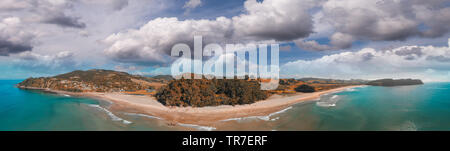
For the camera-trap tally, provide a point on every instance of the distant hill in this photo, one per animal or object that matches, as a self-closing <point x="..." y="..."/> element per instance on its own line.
<point x="333" y="81"/>
<point x="165" y="77"/>
<point x="392" y="82"/>
<point x="95" y="80"/>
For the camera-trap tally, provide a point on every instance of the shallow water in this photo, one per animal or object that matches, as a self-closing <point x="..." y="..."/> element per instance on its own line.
<point x="424" y="107"/>
<point x="31" y="110"/>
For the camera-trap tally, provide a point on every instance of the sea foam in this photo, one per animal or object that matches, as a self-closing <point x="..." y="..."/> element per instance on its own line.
<point x="408" y="126"/>
<point x="264" y="118"/>
<point x="110" y="114"/>
<point x="143" y="115"/>
<point x="198" y="127"/>
<point x="329" y="102"/>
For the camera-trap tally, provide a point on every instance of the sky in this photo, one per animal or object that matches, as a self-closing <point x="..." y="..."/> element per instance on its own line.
<point x="343" y="39"/>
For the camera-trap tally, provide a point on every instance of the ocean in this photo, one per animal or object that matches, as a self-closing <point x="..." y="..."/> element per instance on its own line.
<point x="405" y="108"/>
<point x="34" y="110"/>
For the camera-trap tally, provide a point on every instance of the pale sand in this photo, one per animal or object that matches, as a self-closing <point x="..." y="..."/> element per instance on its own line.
<point x="203" y="115"/>
<point x="208" y="116"/>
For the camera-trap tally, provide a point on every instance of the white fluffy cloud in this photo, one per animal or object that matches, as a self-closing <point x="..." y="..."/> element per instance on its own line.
<point x="337" y="41"/>
<point x="134" y="31"/>
<point x="268" y="20"/>
<point x="191" y="4"/>
<point x="368" y="63"/>
<point x="48" y="27"/>
<point x="275" y="19"/>
<point x="153" y="41"/>
<point x="382" y="20"/>
<point x="61" y="61"/>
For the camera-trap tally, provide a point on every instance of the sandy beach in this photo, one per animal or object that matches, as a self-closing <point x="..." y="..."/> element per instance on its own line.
<point x="203" y="115"/>
<point x="199" y="116"/>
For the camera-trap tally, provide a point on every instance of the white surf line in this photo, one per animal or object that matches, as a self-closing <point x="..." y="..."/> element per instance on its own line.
<point x="144" y="115"/>
<point x="110" y="114"/>
<point x="264" y="118"/>
<point x="335" y="98"/>
<point x="198" y="127"/>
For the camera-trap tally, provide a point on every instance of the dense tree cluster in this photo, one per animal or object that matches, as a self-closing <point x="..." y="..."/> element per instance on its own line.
<point x="203" y="92"/>
<point x="305" y="88"/>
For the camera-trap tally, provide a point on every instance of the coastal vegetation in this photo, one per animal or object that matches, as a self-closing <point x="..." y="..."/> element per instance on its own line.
<point x="288" y="86"/>
<point x="203" y="92"/>
<point x="305" y="89"/>
<point x="95" y="80"/>
<point x="181" y="92"/>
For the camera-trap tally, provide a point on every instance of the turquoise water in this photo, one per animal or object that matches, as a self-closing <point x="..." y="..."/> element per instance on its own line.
<point x="404" y="108"/>
<point x="424" y="107"/>
<point x="30" y="110"/>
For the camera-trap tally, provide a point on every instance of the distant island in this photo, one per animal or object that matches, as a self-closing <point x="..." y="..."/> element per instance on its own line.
<point x="397" y="82"/>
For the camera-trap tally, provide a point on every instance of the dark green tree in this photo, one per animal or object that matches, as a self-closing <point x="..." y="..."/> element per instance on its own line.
<point x="305" y="88"/>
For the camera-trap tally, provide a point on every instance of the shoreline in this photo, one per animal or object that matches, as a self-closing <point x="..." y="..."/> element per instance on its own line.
<point x="205" y="116"/>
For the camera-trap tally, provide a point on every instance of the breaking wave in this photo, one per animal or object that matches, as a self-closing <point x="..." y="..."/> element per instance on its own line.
<point x="110" y="114"/>
<point x="198" y="127"/>
<point x="264" y="118"/>
<point x="350" y="90"/>
<point x="66" y="95"/>
<point x="143" y="115"/>
<point x="329" y="102"/>
<point x="408" y="126"/>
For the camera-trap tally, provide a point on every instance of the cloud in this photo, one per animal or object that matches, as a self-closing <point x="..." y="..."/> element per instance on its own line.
<point x="116" y="5"/>
<point x="119" y="4"/>
<point x="382" y="20"/>
<point x="338" y="41"/>
<point x="65" y="21"/>
<point x="275" y="19"/>
<point x="127" y="68"/>
<point x="153" y="41"/>
<point x="55" y="12"/>
<point x="7" y="48"/>
<point x="191" y="4"/>
<point x="46" y="11"/>
<point x="83" y="24"/>
<point x="368" y="63"/>
<point x="285" y="48"/>
<point x="278" y="20"/>
<point x="440" y="58"/>
<point x="12" y="5"/>
<point x="14" y="38"/>
<point x="62" y="61"/>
